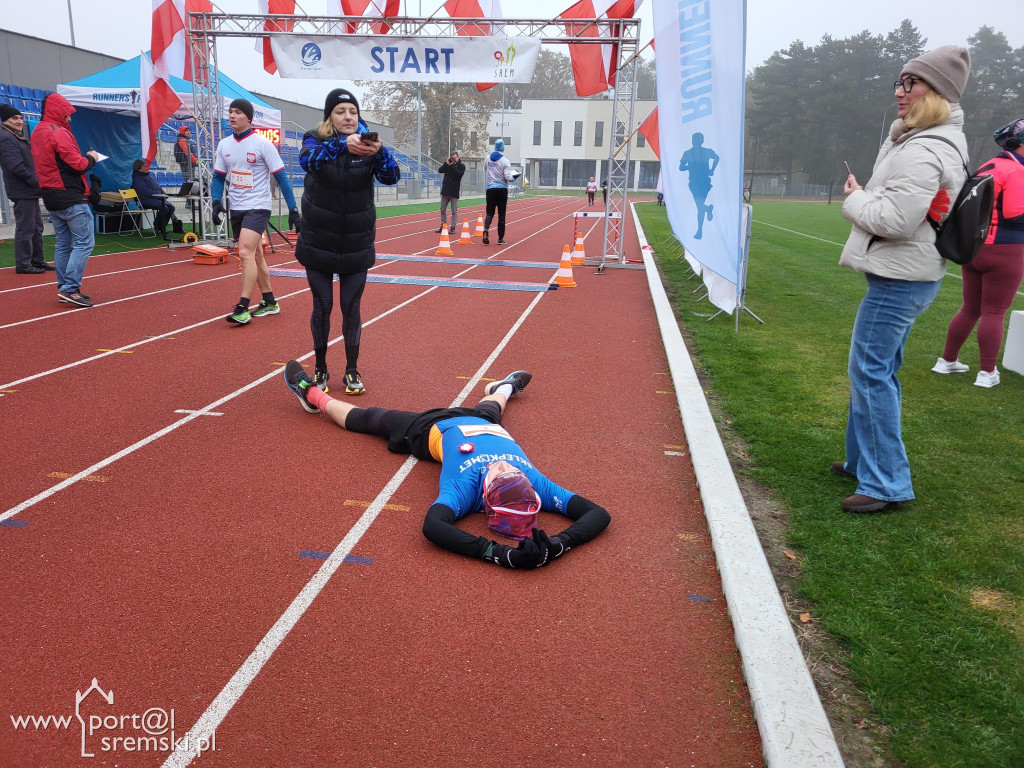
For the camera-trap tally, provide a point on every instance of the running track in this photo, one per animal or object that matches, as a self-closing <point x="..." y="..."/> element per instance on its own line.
<point x="161" y="483"/>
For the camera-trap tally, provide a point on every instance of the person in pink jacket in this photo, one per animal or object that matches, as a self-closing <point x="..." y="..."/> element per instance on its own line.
<point x="992" y="278"/>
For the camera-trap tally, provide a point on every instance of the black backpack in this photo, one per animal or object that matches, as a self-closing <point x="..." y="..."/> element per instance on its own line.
<point x="963" y="232"/>
<point x="180" y="155"/>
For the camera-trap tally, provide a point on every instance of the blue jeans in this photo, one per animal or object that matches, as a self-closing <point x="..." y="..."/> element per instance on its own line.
<point x="75" y="241"/>
<point x="874" y="447"/>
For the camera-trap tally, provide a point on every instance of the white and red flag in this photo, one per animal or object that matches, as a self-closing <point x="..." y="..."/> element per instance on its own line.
<point x="378" y="9"/>
<point x="273" y="25"/>
<point x="169" y="44"/>
<point x="475" y="9"/>
<point x="649" y="129"/>
<point x="594" y="66"/>
<point x="159" y="102"/>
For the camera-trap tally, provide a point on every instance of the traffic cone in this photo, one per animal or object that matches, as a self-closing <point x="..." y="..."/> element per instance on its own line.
<point x="479" y="226"/>
<point x="466" y="239"/>
<point x="563" y="278"/>
<point x="444" y="248"/>
<point x="579" y="254"/>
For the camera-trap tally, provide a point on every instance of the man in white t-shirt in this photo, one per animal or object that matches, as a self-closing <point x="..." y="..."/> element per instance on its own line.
<point x="245" y="162"/>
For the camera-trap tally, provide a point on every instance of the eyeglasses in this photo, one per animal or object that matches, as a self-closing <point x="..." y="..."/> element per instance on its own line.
<point x="907" y="83"/>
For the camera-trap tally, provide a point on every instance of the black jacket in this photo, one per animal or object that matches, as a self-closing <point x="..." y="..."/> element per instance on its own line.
<point x="339" y="219"/>
<point x="19" y="171"/>
<point x="452" y="182"/>
<point x="146" y="187"/>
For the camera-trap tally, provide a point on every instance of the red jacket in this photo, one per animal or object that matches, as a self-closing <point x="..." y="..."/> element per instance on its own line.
<point x="60" y="164"/>
<point x="1008" y="213"/>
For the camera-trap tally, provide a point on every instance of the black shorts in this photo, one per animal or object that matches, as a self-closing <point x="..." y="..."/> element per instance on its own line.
<point x="410" y="432"/>
<point x="255" y="221"/>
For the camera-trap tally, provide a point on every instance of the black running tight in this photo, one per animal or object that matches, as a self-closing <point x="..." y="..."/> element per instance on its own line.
<point x="496" y="199"/>
<point x="350" y="293"/>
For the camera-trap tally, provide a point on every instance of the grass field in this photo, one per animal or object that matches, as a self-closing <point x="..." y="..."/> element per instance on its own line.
<point x="927" y="602"/>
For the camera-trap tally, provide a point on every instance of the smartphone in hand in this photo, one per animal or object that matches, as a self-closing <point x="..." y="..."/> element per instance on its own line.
<point x="848" y="171"/>
<point x="370" y="136"/>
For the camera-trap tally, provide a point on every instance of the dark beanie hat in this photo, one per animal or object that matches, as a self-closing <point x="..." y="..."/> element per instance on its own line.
<point x="243" y="105"/>
<point x="7" y="112"/>
<point x="339" y="96"/>
<point x="945" y="69"/>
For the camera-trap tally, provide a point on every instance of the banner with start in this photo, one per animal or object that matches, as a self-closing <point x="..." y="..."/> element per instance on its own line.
<point x="427" y="60"/>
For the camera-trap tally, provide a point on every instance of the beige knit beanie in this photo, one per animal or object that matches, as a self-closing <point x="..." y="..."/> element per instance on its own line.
<point x="945" y="69"/>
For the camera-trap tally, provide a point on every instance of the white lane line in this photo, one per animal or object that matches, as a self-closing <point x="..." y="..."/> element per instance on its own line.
<point x="101" y="274"/>
<point x="133" y="345"/>
<point x="43" y="495"/>
<point x="214" y="715"/>
<point x="111" y="302"/>
<point x="199" y="413"/>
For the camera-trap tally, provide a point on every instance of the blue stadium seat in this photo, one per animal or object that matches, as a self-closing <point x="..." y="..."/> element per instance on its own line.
<point x="38" y="93"/>
<point x="4" y="93"/>
<point x="176" y="178"/>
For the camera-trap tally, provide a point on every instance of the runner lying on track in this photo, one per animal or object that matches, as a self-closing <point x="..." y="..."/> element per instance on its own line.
<point x="482" y="468"/>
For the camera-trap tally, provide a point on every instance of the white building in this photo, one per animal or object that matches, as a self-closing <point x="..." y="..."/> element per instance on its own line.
<point x="563" y="142"/>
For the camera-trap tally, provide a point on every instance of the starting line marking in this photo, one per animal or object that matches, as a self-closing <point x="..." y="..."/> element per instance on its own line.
<point x="314" y="555"/>
<point x="87" y="478"/>
<point x="365" y="504"/>
<point x="443" y="282"/>
<point x="478" y="262"/>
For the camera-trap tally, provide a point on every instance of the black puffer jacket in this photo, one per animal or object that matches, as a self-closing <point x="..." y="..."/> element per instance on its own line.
<point x="18" y="169"/>
<point x="339" y="219"/>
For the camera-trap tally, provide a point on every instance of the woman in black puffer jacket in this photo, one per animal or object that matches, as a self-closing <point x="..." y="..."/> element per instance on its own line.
<point x="339" y="223"/>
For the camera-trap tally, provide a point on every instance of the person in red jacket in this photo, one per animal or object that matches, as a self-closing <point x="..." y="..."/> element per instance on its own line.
<point x="992" y="278"/>
<point x="61" y="168"/>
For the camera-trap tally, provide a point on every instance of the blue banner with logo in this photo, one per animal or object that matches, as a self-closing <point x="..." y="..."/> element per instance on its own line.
<point x="700" y="72"/>
<point x="425" y="60"/>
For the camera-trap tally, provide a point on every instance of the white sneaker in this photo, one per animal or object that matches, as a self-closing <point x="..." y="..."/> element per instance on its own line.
<point x="944" y="366"/>
<point x="986" y="379"/>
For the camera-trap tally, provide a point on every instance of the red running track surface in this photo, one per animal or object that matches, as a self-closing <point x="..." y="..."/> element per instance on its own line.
<point x="156" y="550"/>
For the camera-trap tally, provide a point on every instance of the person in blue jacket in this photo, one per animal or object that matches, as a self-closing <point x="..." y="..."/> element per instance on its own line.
<point x="482" y="468"/>
<point x="151" y="195"/>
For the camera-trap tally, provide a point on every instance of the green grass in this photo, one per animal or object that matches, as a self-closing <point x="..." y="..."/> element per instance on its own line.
<point x="927" y="602"/>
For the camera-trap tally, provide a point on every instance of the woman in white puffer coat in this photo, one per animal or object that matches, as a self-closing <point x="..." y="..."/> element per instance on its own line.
<point x="915" y="177"/>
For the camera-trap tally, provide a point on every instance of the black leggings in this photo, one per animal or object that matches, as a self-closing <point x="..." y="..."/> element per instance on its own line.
<point x="497" y="198"/>
<point x="382" y="421"/>
<point x="350" y="292"/>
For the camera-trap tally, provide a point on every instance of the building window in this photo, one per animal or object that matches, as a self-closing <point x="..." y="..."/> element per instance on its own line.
<point x="576" y="173"/>
<point x="577" y="136"/>
<point x="548" y="170"/>
<point x="598" y="134"/>
<point x="536" y="132"/>
<point x="648" y="174"/>
<point x="558" y="133"/>
<point x="472" y="138"/>
<point x="641" y="142"/>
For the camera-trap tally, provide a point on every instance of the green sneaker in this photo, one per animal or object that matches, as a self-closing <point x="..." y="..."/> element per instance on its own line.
<point x="239" y="318"/>
<point x="299" y="383"/>
<point x="266" y="309"/>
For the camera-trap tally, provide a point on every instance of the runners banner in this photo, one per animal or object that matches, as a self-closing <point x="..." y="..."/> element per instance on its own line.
<point x="426" y="60"/>
<point x="700" y="75"/>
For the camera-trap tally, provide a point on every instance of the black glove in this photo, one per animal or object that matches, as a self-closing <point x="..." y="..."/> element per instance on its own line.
<point x="531" y="553"/>
<point x="294" y="219"/>
<point x="557" y="546"/>
<point x="218" y="211"/>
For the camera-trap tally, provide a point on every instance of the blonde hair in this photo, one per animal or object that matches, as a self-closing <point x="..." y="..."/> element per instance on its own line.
<point x="325" y="129"/>
<point x="928" y="111"/>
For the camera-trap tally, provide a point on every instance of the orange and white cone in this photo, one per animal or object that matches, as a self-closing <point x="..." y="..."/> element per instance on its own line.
<point x="444" y="248"/>
<point x="479" y="226"/>
<point x="465" y="239"/>
<point x="579" y="255"/>
<point x="264" y="240"/>
<point x="563" y="278"/>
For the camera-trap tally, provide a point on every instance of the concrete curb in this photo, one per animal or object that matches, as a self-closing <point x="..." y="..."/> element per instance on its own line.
<point x="795" y="732"/>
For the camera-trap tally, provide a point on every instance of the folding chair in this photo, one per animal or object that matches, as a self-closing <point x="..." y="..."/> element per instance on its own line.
<point x="136" y="213"/>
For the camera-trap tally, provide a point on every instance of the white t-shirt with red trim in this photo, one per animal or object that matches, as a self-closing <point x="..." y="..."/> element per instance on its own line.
<point x="248" y="164"/>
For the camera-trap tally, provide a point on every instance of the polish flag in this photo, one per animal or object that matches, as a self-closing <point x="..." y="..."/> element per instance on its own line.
<point x="263" y="44"/>
<point x="158" y="103"/>
<point x="170" y="44"/>
<point x="593" y="66"/>
<point x="367" y="8"/>
<point x="649" y="129"/>
<point x="474" y="9"/>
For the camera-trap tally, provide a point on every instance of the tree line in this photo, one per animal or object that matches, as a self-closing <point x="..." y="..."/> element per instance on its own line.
<point x="808" y="108"/>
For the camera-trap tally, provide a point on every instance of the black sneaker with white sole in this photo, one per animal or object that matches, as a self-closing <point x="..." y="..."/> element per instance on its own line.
<point x="73" y="297"/>
<point x="518" y="380"/>
<point x="298" y="381"/>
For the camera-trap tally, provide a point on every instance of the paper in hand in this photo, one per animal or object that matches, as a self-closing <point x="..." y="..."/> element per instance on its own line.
<point x="100" y="157"/>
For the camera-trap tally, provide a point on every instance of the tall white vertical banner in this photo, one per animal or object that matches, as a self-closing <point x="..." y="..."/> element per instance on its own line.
<point x="701" y="79"/>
